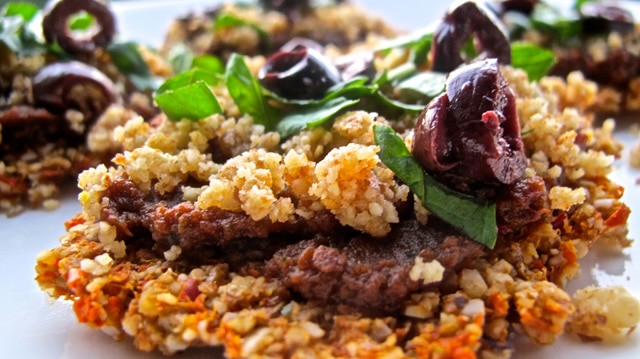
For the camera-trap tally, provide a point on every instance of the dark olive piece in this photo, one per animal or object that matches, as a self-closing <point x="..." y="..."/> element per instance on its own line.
<point x="602" y="18"/>
<point x="293" y="9"/>
<point x="302" y="73"/>
<point x="472" y="132"/>
<point x="521" y="6"/>
<point x="469" y="18"/>
<point x="73" y="84"/>
<point x="55" y="25"/>
<point x="299" y="42"/>
<point x="357" y="64"/>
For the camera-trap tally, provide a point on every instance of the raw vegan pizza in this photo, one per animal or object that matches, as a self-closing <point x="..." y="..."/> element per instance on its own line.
<point x="350" y="200"/>
<point x="65" y="83"/>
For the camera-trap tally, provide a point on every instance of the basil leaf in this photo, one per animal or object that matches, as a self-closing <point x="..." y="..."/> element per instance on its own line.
<point x="311" y="116"/>
<point x="414" y="38"/>
<point x="473" y="217"/>
<point x="355" y="88"/>
<point x="25" y="10"/>
<point x="19" y="28"/>
<point x="188" y="95"/>
<point x="10" y="27"/>
<point x="578" y="4"/>
<point x="564" y="24"/>
<point x="395" y="155"/>
<point x="247" y="92"/>
<point x="398" y="105"/>
<point x="209" y="63"/>
<point x="180" y="58"/>
<point x="420" y="50"/>
<point x="429" y="84"/>
<point x="401" y="72"/>
<point x="127" y="58"/>
<point x="534" y="60"/>
<point x="81" y="21"/>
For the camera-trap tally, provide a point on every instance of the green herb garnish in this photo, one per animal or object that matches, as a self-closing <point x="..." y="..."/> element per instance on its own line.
<point x="311" y="116"/>
<point x="188" y="95"/>
<point x="534" y="60"/>
<point x="127" y="58"/>
<point x="563" y="24"/>
<point x="247" y="92"/>
<point x="418" y="42"/>
<point x="81" y="21"/>
<point x="473" y="217"/>
<point x="428" y="84"/>
<point x="209" y="63"/>
<point x="19" y="28"/>
<point x="180" y="58"/>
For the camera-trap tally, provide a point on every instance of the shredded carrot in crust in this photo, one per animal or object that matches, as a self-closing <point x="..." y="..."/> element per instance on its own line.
<point x="619" y="217"/>
<point x="568" y="250"/>
<point x="232" y="341"/>
<point x="78" y="219"/>
<point x="434" y="341"/>
<point x="89" y="311"/>
<point x="499" y="303"/>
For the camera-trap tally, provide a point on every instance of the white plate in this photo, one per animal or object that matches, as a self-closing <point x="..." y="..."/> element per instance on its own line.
<point x="32" y="326"/>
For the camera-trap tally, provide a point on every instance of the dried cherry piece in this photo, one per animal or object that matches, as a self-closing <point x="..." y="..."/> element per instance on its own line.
<point x="302" y="73"/>
<point x="471" y="133"/>
<point x="466" y="19"/>
<point x="55" y="25"/>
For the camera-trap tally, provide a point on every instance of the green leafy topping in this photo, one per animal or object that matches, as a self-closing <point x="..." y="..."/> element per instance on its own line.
<point x="25" y="10"/>
<point x="209" y="63"/>
<point x="420" y="50"/>
<point x="418" y="42"/>
<point x="127" y="58"/>
<point x="188" y="95"/>
<point x="355" y="88"/>
<point x="81" y="21"/>
<point x="469" y="49"/>
<point x="247" y="92"/>
<point x="473" y="217"/>
<point x="428" y="84"/>
<point x="578" y="4"/>
<point x="20" y="31"/>
<point x="421" y="36"/>
<point x="311" y="116"/>
<point x="564" y="24"/>
<point x="397" y="105"/>
<point x="180" y="58"/>
<point x="396" y="74"/>
<point x="534" y="60"/>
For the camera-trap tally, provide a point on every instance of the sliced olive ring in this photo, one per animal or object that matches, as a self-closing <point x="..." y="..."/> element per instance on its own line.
<point x="603" y="18"/>
<point x="55" y="25"/>
<point x="302" y="73"/>
<point x="54" y="88"/>
<point x="469" y="18"/>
